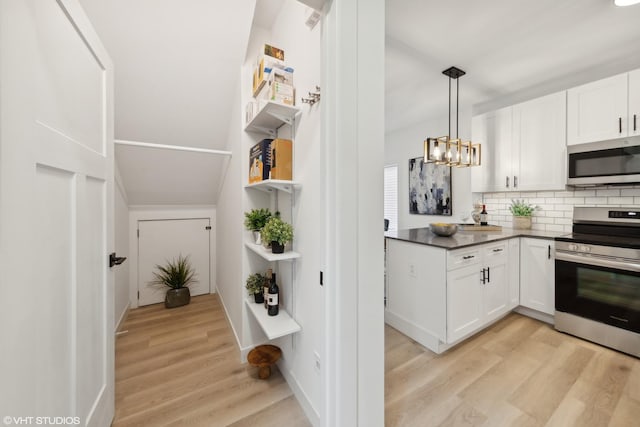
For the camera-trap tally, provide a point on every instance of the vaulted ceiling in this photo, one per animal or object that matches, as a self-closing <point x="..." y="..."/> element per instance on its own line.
<point x="506" y="47"/>
<point x="176" y="66"/>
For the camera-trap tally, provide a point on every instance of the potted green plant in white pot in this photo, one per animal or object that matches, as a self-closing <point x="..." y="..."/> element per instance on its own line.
<point x="255" y="284"/>
<point x="254" y="220"/>
<point x="177" y="275"/>
<point x="278" y="232"/>
<point x="522" y="213"/>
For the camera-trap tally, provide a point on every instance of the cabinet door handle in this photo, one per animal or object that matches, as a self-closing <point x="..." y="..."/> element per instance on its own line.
<point x="498" y="250"/>
<point x="549" y="253"/>
<point x="483" y="279"/>
<point x="507" y="181"/>
<point x="515" y="181"/>
<point x="635" y="128"/>
<point x="468" y="256"/>
<point x="620" y="124"/>
<point x="488" y="275"/>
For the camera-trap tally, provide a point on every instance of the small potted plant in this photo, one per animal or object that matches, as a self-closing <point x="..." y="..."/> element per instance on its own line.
<point x="254" y="285"/>
<point x="278" y="232"/>
<point x="254" y="220"/>
<point x="522" y="213"/>
<point x="177" y="275"/>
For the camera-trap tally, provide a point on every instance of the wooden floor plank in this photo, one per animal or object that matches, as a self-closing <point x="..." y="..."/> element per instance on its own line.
<point x="181" y="366"/>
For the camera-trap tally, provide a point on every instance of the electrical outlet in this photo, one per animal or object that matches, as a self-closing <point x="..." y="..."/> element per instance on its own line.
<point x="316" y="364"/>
<point x="412" y="270"/>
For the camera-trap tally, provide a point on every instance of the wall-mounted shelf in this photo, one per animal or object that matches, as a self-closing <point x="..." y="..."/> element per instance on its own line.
<point x="271" y="117"/>
<point x="270" y="185"/>
<point x="273" y="326"/>
<point x="269" y="256"/>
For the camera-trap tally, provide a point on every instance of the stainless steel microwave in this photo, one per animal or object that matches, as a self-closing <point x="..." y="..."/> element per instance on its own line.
<point x="615" y="161"/>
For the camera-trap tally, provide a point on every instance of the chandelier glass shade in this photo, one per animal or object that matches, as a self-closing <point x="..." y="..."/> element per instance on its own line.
<point x="448" y="151"/>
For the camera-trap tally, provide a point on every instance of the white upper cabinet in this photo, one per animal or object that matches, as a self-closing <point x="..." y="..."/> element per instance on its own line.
<point x="634" y="103"/>
<point x="523" y="146"/>
<point x="541" y="135"/>
<point x="494" y="131"/>
<point x="598" y="111"/>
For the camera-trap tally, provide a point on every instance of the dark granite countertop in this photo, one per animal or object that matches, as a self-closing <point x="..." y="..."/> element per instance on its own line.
<point x="462" y="239"/>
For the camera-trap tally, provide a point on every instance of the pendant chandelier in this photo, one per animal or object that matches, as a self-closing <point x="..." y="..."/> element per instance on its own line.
<point x="448" y="151"/>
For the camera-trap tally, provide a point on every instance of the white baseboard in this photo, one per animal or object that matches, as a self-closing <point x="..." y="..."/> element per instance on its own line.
<point x="243" y="351"/>
<point x="123" y="317"/>
<point x="535" y="314"/>
<point x="302" y="398"/>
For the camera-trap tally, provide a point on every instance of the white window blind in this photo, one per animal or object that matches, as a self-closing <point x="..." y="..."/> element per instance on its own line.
<point x="391" y="195"/>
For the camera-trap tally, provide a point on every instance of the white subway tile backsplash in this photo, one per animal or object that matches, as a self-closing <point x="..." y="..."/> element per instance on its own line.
<point x="630" y="192"/>
<point x="555" y="211"/>
<point x="563" y="207"/>
<point x="594" y="200"/>
<point x="574" y="200"/>
<point x="608" y="193"/>
<point x="620" y="200"/>
<point x="544" y="194"/>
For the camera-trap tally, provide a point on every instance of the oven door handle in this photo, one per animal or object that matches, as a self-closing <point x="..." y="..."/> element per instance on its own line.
<point x="599" y="261"/>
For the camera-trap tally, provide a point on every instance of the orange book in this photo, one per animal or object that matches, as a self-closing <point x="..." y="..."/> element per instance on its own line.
<point x="281" y="159"/>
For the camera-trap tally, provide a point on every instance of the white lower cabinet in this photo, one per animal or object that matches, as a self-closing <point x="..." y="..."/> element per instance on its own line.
<point x="537" y="270"/>
<point x="478" y="292"/>
<point x="514" y="273"/>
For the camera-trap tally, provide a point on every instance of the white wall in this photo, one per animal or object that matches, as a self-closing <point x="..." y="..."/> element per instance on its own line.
<point x="121" y="223"/>
<point x="230" y="234"/>
<point x="407" y="143"/>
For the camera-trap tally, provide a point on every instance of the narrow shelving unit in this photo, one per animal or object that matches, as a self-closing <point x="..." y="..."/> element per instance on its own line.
<point x="271" y="117"/>
<point x="269" y="256"/>
<point x="273" y="326"/>
<point x="271" y="185"/>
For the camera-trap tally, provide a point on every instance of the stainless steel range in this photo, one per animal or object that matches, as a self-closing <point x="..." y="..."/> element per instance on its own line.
<point x="597" y="283"/>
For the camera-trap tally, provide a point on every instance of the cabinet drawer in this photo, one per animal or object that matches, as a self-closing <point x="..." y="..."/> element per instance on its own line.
<point x="496" y="252"/>
<point x="462" y="258"/>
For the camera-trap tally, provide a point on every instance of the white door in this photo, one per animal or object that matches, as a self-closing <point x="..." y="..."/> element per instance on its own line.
<point x="464" y="302"/>
<point x="542" y="139"/>
<point x="165" y="240"/>
<point x="537" y="270"/>
<point x="597" y="111"/>
<point x="634" y="103"/>
<point x="56" y="203"/>
<point x="496" y="287"/>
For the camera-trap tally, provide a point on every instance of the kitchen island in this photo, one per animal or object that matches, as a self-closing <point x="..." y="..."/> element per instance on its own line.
<point x="441" y="290"/>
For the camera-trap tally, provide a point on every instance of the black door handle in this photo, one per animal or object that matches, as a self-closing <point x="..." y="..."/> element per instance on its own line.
<point x="488" y="275"/>
<point x="620" y="124"/>
<point x="549" y="254"/>
<point x="115" y="260"/>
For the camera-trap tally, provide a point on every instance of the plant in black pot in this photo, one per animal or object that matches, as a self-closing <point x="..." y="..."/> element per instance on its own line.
<point x="254" y="285"/>
<point x="177" y="275"/>
<point x="278" y="232"/>
<point x="255" y="220"/>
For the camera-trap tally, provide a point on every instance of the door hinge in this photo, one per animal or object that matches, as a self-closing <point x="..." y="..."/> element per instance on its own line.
<point x="208" y="227"/>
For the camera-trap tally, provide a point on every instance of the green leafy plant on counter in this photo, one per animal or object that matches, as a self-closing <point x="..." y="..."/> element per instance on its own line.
<point x="520" y="208"/>
<point x="276" y="230"/>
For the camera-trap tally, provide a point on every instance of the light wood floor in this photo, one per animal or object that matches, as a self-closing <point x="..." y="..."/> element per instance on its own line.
<point x="520" y="372"/>
<point x="181" y="367"/>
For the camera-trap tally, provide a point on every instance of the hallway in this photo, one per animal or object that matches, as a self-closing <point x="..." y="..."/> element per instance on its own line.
<point x="181" y="366"/>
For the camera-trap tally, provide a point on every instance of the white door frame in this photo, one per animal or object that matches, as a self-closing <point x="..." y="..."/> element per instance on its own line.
<point x="353" y="127"/>
<point x="147" y="213"/>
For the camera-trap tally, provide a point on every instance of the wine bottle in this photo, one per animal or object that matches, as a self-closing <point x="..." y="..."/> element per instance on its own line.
<point x="265" y="287"/>
<point x="483" y="216"/>
<point x="274" y="294"/>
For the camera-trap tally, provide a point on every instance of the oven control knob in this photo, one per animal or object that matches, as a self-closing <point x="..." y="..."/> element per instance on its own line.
<point x="573" y="247"/>
<point x="585" y="248"/>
